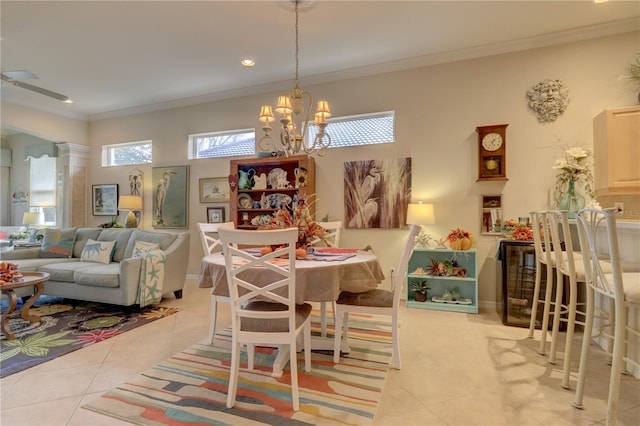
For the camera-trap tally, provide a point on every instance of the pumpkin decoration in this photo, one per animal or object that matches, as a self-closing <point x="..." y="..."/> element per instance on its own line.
<point x="459" y="239"/>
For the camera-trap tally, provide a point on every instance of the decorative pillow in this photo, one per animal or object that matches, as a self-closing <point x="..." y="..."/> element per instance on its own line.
<point x="57" y="242"/>
<point x="98" y="251"/>
<point x="141" y="248"/>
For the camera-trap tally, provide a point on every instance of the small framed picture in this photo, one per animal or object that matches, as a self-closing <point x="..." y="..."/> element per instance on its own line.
<point x="214" y="190"/>
<point x="215" y="214"/>
<point x="105" y="200"/>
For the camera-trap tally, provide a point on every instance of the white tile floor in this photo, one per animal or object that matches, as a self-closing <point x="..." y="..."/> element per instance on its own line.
<point x="458" y="369"/>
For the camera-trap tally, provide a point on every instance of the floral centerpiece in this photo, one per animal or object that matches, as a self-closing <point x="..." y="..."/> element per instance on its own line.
<point x="573" y="170"/>
<point x="9" y="272"/>
<point x="523" y="233"/>
<point x="309" y="231"/>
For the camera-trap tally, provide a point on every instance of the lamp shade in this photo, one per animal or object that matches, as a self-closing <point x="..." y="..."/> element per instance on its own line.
<point x="130" y="202"/>
<point x="420" y="214"/>
<point x="32" y="218"/>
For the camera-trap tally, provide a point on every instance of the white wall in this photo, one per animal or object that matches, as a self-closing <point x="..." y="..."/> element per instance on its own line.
<point x="437" y="110"/>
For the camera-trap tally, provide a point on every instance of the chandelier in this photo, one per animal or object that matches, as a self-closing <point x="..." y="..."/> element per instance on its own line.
<point x="296" y="106"/>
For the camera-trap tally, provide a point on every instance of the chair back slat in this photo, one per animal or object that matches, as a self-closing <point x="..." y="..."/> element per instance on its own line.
<point x="593" y="223"/>
<point x="561" y="234"/>
<point x="277" y="287"/>
<point x="211" y="244"/>
<point x="542" y="237"/>
<point x="332" y="236"/>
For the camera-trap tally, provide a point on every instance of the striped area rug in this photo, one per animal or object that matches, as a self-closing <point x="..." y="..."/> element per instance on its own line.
<point x="190" y="388"/>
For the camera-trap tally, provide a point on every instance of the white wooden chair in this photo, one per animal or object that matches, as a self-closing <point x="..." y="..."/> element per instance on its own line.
<point x="211" y="244"/>
<point x="334" y="229"/>
<point x="622" y="287"/>
<point x="265" y="314"/>
<point x="375" y="302"/>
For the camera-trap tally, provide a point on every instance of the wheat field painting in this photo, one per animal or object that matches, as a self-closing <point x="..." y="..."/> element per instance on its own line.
<point x="377" y="193"/>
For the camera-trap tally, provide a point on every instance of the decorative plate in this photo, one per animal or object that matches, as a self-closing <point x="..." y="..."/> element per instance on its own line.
<point x="277" y="178"/>
<point x="245" y="201"/>
<point x="279" y="201"/>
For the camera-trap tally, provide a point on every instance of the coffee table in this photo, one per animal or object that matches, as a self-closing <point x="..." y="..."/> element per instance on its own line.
<point x="29" y="278"/>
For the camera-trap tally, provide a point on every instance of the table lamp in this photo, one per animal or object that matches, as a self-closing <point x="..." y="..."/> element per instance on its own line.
<point x="133" y="203"/>
<point x="420" y="214"/>
<point x="30" y="219"/>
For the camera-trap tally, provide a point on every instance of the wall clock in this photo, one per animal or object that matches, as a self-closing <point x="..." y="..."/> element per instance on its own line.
<point x="492" y="152"/>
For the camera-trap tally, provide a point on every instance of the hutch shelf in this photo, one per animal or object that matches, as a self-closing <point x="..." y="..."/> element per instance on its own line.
<point x="287" y="179"/>
<point x="467" y="286"/>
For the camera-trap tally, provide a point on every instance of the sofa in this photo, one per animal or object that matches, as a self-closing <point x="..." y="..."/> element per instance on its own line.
<point x="116" y="279"/>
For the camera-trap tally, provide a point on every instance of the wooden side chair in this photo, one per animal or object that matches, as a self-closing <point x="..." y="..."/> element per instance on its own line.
<point x="621" y="287"/>
<point x="265" y="314"/>
<point x="375" y="302"/>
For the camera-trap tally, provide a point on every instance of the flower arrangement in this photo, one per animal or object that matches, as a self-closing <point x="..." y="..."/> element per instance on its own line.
<point x="523" y="233"/>
<point x="459" y="239"/>
<point x="574" y="168"/>
<point x="9" y="272"/>
<point x="308" y="230"/>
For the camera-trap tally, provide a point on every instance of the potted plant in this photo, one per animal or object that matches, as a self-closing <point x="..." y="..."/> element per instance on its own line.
<point x="421" y="289"/>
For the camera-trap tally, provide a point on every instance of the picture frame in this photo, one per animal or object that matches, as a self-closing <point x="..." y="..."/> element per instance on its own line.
<point x="105" y="199"/>
<point x="491" y="215"/>
<point x="215" y="214"/>
<point x="170" y="197"/>
<point x="214" y="190"/>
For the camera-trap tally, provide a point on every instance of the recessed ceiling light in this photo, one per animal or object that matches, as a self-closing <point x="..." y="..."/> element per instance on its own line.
<point x="600" y="1"/>
<point x="248" y="62"/>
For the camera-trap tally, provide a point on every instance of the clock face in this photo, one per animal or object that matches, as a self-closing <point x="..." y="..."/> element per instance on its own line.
<point x="492" y="141"/>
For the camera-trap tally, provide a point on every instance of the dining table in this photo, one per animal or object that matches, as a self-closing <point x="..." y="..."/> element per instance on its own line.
<point x="320" y="277"/>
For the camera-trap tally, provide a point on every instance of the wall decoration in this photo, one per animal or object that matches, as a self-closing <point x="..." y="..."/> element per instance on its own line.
<point x="549" y="99"/>
<point x="377" y="193"/>
<point x="105" y="200"/>
<point x="491" y="215"/>
<point x="170" y="197"/>
<point x="136" y="180"/>
<point x="214" y="190"/>
<point x="19" y="195"/>
<point x="215" y="214"/>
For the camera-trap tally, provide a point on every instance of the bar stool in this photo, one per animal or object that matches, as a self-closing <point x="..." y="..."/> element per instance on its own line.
<point x="544" y="257"/>
<point x="622" y="287"/>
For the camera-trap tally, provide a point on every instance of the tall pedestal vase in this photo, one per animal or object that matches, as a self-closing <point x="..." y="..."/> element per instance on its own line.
<point x="571" y="200"/>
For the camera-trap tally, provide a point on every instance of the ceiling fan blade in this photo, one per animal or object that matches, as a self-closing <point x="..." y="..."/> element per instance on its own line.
<point x="19" y="75"/>
<point x="36" y="89"/>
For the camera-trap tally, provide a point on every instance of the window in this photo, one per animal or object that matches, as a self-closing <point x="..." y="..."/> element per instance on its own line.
<point x="42" y="187"/>
<point x="227" y="143"/>
<point x="363" y="129"/>
<point x="127" y="153"/>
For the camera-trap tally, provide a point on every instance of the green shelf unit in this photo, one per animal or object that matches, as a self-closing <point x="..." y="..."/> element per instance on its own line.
<point x="468" y="285"/>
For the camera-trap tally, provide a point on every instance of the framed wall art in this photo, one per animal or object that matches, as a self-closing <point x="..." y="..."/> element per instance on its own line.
<point x="491" y="215"/>
<point x="214" y="190"/>
<point x="215" y="214"/>
<point x="105" y="200"/>
<point x="377" y="193"/>
<point x="170" y="197"/>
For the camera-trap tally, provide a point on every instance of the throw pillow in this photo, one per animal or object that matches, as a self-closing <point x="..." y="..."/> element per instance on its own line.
<point x="57" y="242"/>
<point x="98" y="251"/>
<point x="142" y="248"/>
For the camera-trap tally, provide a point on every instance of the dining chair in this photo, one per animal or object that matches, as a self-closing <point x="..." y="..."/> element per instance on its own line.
<point x="212" y="244"/>
<point x="375" y="302"/>
<point x="621" y="287"/>
<point x="266" y="313"/>
<point x="334" y="229"/>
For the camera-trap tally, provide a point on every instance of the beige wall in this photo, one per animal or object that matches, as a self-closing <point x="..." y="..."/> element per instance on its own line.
<point x="437" y="110"/>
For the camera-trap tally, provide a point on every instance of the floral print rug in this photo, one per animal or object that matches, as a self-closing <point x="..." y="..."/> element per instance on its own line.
<point x="65" y="326"/>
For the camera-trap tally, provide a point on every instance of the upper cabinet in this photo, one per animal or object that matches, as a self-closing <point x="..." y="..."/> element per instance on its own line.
<point x="616" y="153"/>
<point x="260" y="186"/>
